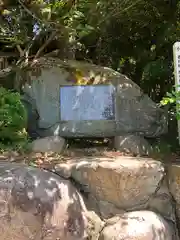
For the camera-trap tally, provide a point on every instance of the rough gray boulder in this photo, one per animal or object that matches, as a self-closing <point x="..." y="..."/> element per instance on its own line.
<point x="36" y="204"/>
<point x="131" y="110"/>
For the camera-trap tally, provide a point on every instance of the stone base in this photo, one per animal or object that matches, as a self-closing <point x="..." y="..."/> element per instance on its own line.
<point x="133" y="144"/>
<point x="102" y="198"/>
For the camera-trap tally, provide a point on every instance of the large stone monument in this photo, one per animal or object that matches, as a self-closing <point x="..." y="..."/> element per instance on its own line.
<point x="78" y="99"/>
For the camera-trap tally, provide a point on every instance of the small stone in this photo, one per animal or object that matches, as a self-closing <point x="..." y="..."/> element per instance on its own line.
<point x="133" y="144"/>
<point x="48" y="144"/>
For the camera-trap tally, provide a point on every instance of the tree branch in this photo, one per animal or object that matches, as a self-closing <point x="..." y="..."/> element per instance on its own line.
<point x="5" y="72"/>
<point x="21" y="52"/>
<point x="29" y="12"/>
<point x="48" y="23"/>
<point x="51" y="37"/>
<point x="115" y="14"/>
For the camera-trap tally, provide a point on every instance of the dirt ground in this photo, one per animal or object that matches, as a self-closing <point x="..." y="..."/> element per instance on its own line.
<point x="75" y="150"/>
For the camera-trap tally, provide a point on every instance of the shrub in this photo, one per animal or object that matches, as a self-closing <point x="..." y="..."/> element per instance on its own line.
<point x="13" y="118"/>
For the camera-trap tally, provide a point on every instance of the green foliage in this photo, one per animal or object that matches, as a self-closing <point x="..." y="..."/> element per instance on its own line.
<point x="12" y="118"/>
<point x="173" y="98"/>
<point x="157" y="78"/>
<point x="134" y="37"/>
<point x="22" y="23"/>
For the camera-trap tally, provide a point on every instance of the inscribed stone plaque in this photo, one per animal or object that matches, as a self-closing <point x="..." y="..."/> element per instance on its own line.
<point x="79" y="103"/>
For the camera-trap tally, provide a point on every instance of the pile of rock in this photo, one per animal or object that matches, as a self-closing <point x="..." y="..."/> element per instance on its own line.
<point x="91" y="198"/>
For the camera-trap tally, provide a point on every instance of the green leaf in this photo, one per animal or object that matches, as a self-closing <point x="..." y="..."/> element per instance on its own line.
<point x="78" y="15"/>
<point x="164" y="101"/>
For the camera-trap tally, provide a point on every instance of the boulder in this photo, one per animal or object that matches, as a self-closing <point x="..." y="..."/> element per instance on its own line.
<point x="174" y="186"/>
<point x="54" y="144"/>
<point x="130" y="143"/>
<point x="127" y="182"/>
<point x="141" y="225"/>
<point x="162" y="202"/>
<point x="64" y="169"/>
<point x="124" y="184"/>
<point x="127" y="109"/>
<point x="37" y="204"/>
<point x="103" y="209"/>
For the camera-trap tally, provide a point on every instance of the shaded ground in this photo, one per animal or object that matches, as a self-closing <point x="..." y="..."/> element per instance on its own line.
<point x="75" y="149"/>
<point x="78" y="149"/>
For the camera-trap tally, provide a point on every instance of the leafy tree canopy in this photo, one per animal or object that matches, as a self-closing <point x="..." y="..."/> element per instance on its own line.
<point x="132" y="36"/>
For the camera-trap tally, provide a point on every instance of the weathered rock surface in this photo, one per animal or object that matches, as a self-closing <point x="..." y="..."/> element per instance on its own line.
<point x="141" y="225"/>
<point x="130" y="143"/>
<point x="103" y="209"/>
<point x="124" y="184"/>
<point x="161" y="202"/>
<point x="130" y="194"/>
<point x="135" y="112"/>
<point x="54" y="144"/>
<point x="36" y="204"/>
<point x="174" y="186"/>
